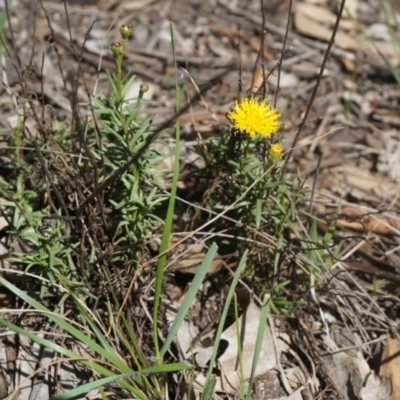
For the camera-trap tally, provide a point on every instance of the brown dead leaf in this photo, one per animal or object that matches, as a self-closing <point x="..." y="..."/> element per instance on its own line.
<point x="351" y="375"/>
<point x="229" y="362"/>
<point x="367" y="182"/>
<point x="315" y="21"/>
<point x="337" y="368"/>
<point x="390" y="365"/>
<point x="191" y="263"/>
<point x="366" y="384"/>
<point x="187" y="258"/>
<point x="323" y="15"/>
<point x="186" y="334"/>
<point x="257" y="80"/>
<point x="360" y="221"/>
<point x="248" y="324"/>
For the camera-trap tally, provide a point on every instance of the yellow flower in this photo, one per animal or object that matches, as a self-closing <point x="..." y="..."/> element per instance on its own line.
<point x="254" y="117"/>
<point x="275" y="151"/>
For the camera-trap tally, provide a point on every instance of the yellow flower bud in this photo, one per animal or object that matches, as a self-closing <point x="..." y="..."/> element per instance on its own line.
<point x="275" y="151"/>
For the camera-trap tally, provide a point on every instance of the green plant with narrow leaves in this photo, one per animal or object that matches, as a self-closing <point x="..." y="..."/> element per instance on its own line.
<point x="88" y="207"/>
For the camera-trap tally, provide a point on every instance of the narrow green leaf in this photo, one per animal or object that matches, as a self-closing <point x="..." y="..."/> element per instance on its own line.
<point x="170" y="214"/>
<point x="259" y="342"/>
<point x="110" y="357"/>
<point x="190" y="295"/>
<point x="84" y="389"/>
<point x="232" y="288"/>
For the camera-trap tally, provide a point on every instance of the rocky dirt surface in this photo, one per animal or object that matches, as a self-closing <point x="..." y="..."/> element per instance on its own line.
<point x="349" y="149"/>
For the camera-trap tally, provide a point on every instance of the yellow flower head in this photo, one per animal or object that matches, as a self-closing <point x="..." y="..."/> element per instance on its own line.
<point x="254" y="117"/>
<point x="275" y="151"/>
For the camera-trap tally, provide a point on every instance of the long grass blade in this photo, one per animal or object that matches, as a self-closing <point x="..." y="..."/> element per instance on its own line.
<point x="84" y="389"/>
<point x="170" y="215"/>
<point x="190" y="295"/>
<point x="259" y="342"/>
<point x="210" y="377"/>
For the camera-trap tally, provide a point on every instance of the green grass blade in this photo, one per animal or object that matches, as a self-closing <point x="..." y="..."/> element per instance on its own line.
<point x="170" y="215"/>
<point x="104" y="342"/>
<point x="209" y="387"/>
<point x="109" y="356"/>
<point x="225" y="311"/>
<point x="259" y="342"/>
<point x="190" y="295"/>
<point x="84" y="389"/>
<point x="67" y="353"/>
